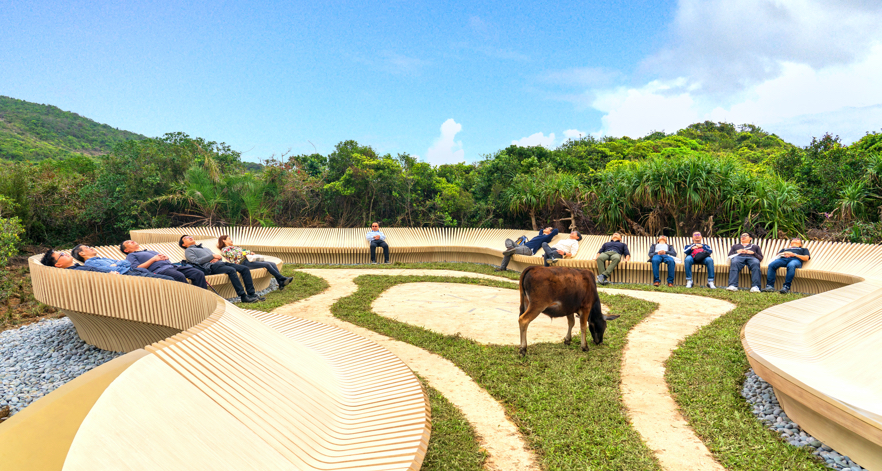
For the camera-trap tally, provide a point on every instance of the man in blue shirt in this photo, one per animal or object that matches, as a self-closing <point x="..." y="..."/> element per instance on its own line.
<point x="62" y="260"/>
<point x="529" y="248"/>
<point x="377" y="239"/>
<point x="159" y="264"/>
<point x="90" y="257"/>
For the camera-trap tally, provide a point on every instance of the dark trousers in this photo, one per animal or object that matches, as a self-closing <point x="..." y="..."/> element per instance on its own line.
<point x="270" y="267"/>
<point x="382" y="244"/>
<point x="180" y="274"/>
<point x="233" y="270"/>
<point x="146" y="274"/>
<point x="550" y="253"/>
<point x="791" y="263"/>
<point x="738" y="263"/>
<point x="510" y="250"/>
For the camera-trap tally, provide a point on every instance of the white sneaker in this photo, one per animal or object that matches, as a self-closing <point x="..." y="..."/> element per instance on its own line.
<point x="688" y="283"/>
<point x="711" y="285"/>
<point x="732" y="288"/>
<point x="755" y="289"/>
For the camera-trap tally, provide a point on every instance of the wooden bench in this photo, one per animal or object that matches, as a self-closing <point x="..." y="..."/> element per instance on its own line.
<point x="226" y="389"/>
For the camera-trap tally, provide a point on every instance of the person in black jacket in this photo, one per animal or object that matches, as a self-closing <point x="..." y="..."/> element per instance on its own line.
<point x="745" y="254"/>
<point x="613" y="252"/>
<point x="792" y="258"/>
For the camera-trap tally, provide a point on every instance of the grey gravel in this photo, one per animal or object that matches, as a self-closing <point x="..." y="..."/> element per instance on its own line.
<point x="761" y="397"/>
<point x="38" y="358"/>
<point x="274" y="285"/>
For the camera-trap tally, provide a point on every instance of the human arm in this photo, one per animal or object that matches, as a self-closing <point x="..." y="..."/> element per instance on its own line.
<point x="198" y="256"/>
<point x="733" y="251"/>
<point x="758" y="252"/>
<point x="652" y="252"/>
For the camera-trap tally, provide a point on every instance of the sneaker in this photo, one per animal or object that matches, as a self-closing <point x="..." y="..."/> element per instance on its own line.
<point x="785" y="290"/>
<point x="754" y="289"/>
<point x="769" y="288"/>
<point x="711" y="285"/>
<point x="499" y="269"/>
<point x="732" y="288"/>
<point x="373" y="262"/>
<point x="285" y="282"/>
<point x="553" y="261"/>
<point x="249" y="299"/>
<point x="601" y="279"/>
<point x="688" y="283"/>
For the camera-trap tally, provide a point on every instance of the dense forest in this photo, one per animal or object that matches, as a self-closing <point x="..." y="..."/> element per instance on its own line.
<point x="715" y="177"/>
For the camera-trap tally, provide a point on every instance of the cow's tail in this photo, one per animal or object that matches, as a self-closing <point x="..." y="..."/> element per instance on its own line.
<point x="524" y="286"/>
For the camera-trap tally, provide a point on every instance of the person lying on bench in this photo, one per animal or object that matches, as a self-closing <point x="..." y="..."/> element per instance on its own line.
<point x="377" y="239"/>
<point x="158" y="264"/>
<point x="529" y="248"/>
<point x="562" y="249"/>
<point x="234" y="254"/>
<point x="211" y="264"/>
<point x="57" y="259"/>
<point x="792" y="258"/>
<point x="90" y="258"/>
<point x="611" y="252"/>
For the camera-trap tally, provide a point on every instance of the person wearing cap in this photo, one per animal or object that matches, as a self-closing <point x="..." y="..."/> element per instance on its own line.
<point x="212" y="264"/>
<point x="662" y="252"/>
<point x="613" y="252"/>
<point x="562" y="249"/>
<point x="89" y="256"/>
<point x="745" y="254"/>
<point x="791" y="258"/>
<point x="377" y="239"/>
<point x="700" y="253"/>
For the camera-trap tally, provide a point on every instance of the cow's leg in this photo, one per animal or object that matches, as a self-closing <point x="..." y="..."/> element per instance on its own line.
<point x="583" y="323"/>
<point x="524" y="320"/>
<point x="571" y="321"/>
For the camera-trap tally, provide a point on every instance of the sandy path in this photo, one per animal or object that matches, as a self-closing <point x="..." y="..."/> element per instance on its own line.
<point x="651" y="408"/>
<point x="496" y="433"/>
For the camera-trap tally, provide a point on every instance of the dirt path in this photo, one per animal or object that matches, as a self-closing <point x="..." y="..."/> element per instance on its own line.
<point x="496" y="433"/>
<point x="651" y="408"/>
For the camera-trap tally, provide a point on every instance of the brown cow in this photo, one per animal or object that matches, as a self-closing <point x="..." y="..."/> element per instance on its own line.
<point x="561" y="292"/>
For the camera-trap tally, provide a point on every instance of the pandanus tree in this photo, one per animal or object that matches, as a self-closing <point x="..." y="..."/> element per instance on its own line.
<point x="542" y="189"/>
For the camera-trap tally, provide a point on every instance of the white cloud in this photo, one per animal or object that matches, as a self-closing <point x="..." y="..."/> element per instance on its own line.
<point x="445" y="150"/>
<point x="538" y="139"/>
<point x="574" y="134"/>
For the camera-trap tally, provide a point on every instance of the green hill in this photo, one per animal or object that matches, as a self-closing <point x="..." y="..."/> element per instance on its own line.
<point x="29" y="131"/>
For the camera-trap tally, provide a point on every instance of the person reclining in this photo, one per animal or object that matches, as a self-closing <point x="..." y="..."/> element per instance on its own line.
<point x="158" y="263"/>
<point x="568" y="247"/>
<point x="89" y="256"/>
<point x="234" y="254"/>
<point x="529" y="248"/>
<point x="377" y="239"/>
<point x="611" y="252"/>
<point x="747" y="254"/>
<point x="699" y="252"/>
<point x="211" y="264"/>
<point x="659" y="252"/>
<point x="57" y="259"/>
<point x="791" y="258"/>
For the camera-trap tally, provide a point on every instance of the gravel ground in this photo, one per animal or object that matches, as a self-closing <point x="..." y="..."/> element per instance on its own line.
<point x="761" y="396"/>
<point x="38" y="358"/>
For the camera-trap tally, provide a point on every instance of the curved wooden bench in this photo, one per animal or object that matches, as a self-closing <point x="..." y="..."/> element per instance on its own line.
<point x="821" y="353"/>
<point x="233" y="389"/>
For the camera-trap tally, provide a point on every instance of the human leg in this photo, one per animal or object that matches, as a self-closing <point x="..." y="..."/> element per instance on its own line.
<point x="672" y="266"/>
<point x="688" y="265"/>
<point x="195" y="274"/>
<point x="792" y="265"/>
<point x="245" y="273"/>
<point x="656" y="261"/>
<point x="385" y="248"/>
<point x="771" y="271"/>
<point x="225" y="269"/>
<point x="147" y="274"/>
<point x="755" y="274"/>
<point x="174" y="274"/>
<point x="709" y="264"/>
<point x="270" y="267"/>
<point x="734" y="268"/>
<point x="614" y="259"/>
<point x="374" y="251"/>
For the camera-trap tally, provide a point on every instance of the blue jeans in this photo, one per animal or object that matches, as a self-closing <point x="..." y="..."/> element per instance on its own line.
<point x="738" y="263"/>
<point x="791" y="263"/>
<point x="669" y="261"/>
<point x="708" y="262"/>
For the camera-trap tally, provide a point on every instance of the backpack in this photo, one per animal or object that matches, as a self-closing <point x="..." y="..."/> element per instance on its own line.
<point x="521" y="241"/>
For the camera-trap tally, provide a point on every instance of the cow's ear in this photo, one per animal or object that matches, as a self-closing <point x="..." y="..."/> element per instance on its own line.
<point x="609" y="318"/>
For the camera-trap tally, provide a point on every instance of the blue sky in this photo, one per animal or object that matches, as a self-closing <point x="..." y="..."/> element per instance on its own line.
<point x="447" y="81"/>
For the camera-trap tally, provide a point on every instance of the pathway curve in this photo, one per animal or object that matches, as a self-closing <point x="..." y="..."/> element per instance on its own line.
<point x="651" y="408"/>
<point x="496" y="433"/>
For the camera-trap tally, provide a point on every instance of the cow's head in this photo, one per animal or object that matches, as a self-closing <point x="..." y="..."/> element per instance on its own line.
<point x="598" y="328"/>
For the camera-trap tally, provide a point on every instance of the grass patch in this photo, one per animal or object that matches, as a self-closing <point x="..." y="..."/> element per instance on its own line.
<point x="302" y="286"/>
<point x="566" y="402"/>
<point x="452" y="445"/>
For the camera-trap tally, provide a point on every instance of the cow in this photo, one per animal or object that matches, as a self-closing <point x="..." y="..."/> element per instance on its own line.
<point x="561" y="292"/>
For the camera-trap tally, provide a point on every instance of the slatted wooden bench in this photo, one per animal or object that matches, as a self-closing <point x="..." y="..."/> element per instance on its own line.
<point x="232" y="389"/>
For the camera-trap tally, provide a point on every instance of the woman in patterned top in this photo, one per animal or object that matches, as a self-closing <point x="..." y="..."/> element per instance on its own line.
<point x="234" y="254"/>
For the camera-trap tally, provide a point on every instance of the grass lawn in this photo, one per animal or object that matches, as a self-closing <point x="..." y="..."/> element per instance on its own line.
<point x="302" y="286"/>
<point x="565" y="401"/>
<point x="452" y="444"/>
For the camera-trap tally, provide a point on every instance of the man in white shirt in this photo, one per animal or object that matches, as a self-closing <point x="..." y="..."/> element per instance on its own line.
<point x="565" y="248"/>
<point x="377" y="239"/>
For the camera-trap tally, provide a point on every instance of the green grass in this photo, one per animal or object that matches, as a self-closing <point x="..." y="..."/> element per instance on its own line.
<point x="302" y="286"/>
<point x="452" y="445"/>
<point x="566" y="402"/>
